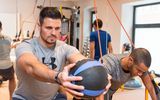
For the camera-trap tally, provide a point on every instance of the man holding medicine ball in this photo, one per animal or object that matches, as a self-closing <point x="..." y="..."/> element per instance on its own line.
<point x="40" y="62"/>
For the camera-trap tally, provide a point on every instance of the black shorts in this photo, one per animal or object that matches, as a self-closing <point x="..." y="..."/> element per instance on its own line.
<point x="59" y="96"/>
<point x="7" y="74"/>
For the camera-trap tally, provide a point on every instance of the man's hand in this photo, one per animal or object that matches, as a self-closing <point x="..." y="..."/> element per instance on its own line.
<point x="108" y="85"/>
<point x="66" y="80"/>
<point x="101" y="97"/>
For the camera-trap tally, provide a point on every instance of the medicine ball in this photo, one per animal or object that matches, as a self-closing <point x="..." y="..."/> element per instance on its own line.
<point x="94" y="77"/>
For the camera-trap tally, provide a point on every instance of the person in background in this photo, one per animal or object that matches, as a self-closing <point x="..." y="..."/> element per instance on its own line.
<point x="105" y="40"/>
<point x="122" y="67"/>
<point x="64" y="38"/>
<point x="6" y="65"/>
<point x="40" y="63"/>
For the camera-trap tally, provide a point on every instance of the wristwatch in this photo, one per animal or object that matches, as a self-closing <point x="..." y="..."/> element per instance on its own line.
<point x="56" y="78"/>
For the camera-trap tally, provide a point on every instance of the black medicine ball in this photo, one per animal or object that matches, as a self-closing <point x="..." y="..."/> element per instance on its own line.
<point x="94" y="77"/>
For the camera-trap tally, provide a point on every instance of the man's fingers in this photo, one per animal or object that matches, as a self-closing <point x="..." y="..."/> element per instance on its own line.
<point x="73" y="86"/>
<point x="108" y="85"/>
<point x="74" y="93"/>
<point x="74" y="78"/>
<point x="107" y="88"/>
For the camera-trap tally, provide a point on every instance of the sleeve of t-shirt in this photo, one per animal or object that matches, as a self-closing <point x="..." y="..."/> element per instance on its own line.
<point x="70" y="50"/>
<point x="109" y="38"/>
<point x="22" y="48"/>
<point x="92" y="37"/>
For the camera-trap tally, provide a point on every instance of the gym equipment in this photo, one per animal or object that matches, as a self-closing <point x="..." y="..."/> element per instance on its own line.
<point x="94" y="77"/>
<point x="156" y="88"/>
<point x="86" y="48"/>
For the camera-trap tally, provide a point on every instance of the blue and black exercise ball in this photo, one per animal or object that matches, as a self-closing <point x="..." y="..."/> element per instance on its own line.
<point x="94" y="77"/>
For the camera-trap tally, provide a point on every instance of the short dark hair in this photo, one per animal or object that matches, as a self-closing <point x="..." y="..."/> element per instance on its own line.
<point x="141" y="55"/>
<point x="100" y="23"/>
<point x="50" y="12"/>
<point x="0" y="25"/>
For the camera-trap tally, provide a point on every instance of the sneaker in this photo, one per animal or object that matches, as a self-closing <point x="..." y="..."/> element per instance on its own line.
<point x="1" y="82"/>
<point x="133" y="84"/>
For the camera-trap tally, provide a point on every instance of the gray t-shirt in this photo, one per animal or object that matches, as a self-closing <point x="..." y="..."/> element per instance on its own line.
<point x="114" y="68"/>
<point x="54" y="58"/>
<point x="5" y="48"/>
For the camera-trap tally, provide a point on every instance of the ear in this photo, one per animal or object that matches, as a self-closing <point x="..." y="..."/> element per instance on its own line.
<point x="130" y="61"/>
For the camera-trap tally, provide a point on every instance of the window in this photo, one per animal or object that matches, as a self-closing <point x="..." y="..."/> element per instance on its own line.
<point x="146" y="31"/>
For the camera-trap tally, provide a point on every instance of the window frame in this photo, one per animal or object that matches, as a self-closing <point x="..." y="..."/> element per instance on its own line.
<point x="151" y="25"/>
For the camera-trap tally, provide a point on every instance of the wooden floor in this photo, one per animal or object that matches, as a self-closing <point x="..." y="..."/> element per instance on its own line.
<point x="136" y="94"/>
<point x="4" y="92"/>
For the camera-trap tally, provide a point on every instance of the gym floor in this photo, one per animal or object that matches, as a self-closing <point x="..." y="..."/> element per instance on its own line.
<point x="137" y="94"/>
<point x="4" y="93"/>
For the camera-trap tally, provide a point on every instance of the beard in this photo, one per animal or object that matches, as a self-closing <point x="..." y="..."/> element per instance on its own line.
<point x="48" y="40"/>
<point x="51" y="39"/>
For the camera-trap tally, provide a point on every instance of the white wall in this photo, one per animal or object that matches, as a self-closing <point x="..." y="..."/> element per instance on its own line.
<point x="7" y="6"/>
<point x="8" y="17"/>
<point x="8" y="24"/>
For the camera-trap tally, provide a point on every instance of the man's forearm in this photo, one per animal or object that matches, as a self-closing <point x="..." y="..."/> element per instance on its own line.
<point x="33" y="67"/>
